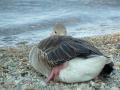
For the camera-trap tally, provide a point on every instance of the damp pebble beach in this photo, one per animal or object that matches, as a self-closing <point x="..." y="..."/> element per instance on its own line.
<point x="17" y="74"/>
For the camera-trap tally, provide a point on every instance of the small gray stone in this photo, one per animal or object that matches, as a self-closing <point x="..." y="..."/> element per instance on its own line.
<point x="1" y="55"/>
<point x="28" y="87"/>
<point x="92" y="83"/>
<point x="118" y="46"/>
<point x="118" y="64"/>
<point x="79" y="88"/>
<point x="43" y="83"/>
<point x="114" y="88"/>
<point x="1" y="80"/>
<point x="102" y="86"/>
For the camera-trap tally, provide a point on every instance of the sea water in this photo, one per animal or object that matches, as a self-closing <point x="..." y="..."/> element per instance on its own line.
<point x="33" y="20"/>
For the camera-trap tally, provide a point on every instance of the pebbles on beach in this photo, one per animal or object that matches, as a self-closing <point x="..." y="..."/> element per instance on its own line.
<point x="17" y="74"/>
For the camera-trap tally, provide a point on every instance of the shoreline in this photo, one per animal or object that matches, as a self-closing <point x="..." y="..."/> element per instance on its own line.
<point x="30" y="37"/>
<point x="17" y="74"/>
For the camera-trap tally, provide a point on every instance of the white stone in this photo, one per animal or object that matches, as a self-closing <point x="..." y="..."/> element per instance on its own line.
<point x="1" y="55"/>
<point x="79" y="88"/>
<point x="43" y="83"/>
<point x="102" y="86"/>
<point x="92" y="83"/>
<point x="114" y="88"/>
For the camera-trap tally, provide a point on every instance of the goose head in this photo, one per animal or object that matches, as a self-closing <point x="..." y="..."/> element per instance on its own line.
<point x="59" y="29"/>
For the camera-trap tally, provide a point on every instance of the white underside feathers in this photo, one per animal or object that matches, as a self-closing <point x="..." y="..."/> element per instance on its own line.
<point x="80" y="70"/>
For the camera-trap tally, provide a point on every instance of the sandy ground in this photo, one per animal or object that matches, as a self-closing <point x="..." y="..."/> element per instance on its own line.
<point x="17" y="74"/>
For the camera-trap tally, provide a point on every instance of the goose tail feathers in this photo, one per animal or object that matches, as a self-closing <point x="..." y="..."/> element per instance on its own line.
<point x="38" y="60"/>
<point x="108" y="68"/>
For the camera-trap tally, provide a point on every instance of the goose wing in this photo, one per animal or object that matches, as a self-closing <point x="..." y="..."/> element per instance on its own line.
<point x="89" y="46"/>
<point x="60" y="49"/>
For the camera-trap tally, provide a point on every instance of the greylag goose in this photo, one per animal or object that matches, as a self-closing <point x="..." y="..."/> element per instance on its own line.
<point x="67" y="59"/>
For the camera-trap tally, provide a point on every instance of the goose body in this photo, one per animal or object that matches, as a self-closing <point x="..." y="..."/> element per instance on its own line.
<point x="80" y="69"/>
<point x="58" y="51"/>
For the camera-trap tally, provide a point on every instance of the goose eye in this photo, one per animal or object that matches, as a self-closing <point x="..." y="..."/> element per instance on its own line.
<point x="55" y="32"/>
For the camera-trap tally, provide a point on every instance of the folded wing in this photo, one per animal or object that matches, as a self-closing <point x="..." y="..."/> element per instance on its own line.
<point x="60" y="49"/>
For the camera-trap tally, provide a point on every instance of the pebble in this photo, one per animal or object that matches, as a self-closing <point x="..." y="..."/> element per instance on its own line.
<point x="5" y="71"/>
<point x="115" y="88"/>
<point x="83" y="86"/>
<point x="2" y="83"/>
<point x="1" y="55"/>
<point x="28" y="87"/>
<point x="23" y="74"/>
<point x="43" y="83"/>
<point x="93" y="84"/>
<point x="118" y="46"/>
<point x="102" y="86"/>
<point x="117" y="64"/>
<point x="21" y="43"/>
<point x="79" y="88"/>
<point x="5" y="86"/>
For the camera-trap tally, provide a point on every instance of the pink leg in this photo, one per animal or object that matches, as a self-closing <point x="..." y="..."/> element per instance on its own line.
<point x="50" y="76"/>
<point x="96" y="78"/>
<point x="56" y="77"/>
<point x="55" y="73"/>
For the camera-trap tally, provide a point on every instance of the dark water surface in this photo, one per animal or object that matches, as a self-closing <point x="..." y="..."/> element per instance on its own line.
<point x="33" y="20"/>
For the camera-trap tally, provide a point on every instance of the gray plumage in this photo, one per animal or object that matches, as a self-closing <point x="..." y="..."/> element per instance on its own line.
<point x="60" y="49"/>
